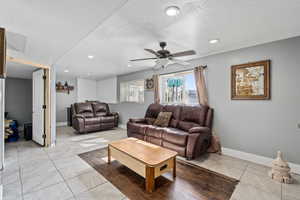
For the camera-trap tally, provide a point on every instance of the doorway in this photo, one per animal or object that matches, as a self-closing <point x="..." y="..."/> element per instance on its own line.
<point x="40" y="98"/>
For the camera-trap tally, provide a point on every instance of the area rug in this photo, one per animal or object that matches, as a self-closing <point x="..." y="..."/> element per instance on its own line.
<point x="192" y="182"/>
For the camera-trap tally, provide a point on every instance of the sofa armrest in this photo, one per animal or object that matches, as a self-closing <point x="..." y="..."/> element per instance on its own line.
<point x="78" y="116"/>
<point x="197" y="144"/>
<point x="112" y="113"/>
<point x="116" y="116"/>
<point x="138" y="120"/>
<point x="201" y="129"/>
<point x="78" y="123"/>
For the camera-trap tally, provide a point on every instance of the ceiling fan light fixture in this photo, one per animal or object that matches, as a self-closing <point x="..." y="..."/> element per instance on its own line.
<point x="172" y="11"/>
<point x="214" y="41"/>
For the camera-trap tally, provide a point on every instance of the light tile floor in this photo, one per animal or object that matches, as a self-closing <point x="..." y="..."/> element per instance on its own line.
<point x="33" y="173"/>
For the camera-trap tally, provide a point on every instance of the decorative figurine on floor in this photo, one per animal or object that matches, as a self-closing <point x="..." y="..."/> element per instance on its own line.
<point x="280" y="170"/>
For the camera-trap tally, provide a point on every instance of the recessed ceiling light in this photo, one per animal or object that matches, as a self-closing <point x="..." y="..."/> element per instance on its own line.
<point x="214" y="41"/>
<point x="90" y="56"/>
<point x="66" y="70"/>
<point x="172" y="11"/>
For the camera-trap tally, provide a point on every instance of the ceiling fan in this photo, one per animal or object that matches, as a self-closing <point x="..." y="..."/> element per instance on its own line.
<point x="163" y="57"/>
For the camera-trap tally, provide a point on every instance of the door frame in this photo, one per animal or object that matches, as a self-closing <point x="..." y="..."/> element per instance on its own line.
<point x="47" y="94"/>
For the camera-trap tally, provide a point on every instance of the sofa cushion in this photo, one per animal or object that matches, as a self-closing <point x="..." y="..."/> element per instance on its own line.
<point x="153" y="140"/>
<point x="186" y="126"/>
<point x="179" y="149"/>
<point x="92" y="120"/>
<point x="163" y="119"/>
<point x="154" y="131"/>
<point x="153" y="110"/>
<point x="107" y="119"/>
<point x="84" y="109"/>
<point x="195" y="114"/>
<point x="138" y="136"/>
<point x="137" y="128"/>
<point x="175" y="136"/>
<point x="100" y="109"/>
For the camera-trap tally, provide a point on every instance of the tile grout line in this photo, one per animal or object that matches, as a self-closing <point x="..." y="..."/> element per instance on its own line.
<point x="281" y="191"/>
<point x="21" y="181"/>
<point x="20" y="173"/>
<point x="64" y="180"/>
<point x="39" y="188"/>
<point x="244" y="171"/>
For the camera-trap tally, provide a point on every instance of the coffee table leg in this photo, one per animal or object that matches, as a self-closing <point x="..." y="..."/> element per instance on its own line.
<point x="174" y="167"/>
<point x="150" y="181"/>
<point x="108" y="155"/>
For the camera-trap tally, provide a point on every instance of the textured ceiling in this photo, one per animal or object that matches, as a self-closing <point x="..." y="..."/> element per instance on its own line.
<point x="65" y="32"/>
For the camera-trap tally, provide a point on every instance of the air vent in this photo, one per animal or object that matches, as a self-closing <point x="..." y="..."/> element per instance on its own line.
<point x="16" y="41"/>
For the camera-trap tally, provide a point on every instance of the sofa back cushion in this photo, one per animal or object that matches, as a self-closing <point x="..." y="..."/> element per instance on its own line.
<point x="153" y="110"/>
<point x="100" y="109"/>
<point x="84" y="109"/>
<point x="192" y="116"/>
<point x="175" y="110"/>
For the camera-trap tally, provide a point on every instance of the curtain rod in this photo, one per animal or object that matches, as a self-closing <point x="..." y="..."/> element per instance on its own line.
<point x="186" y="70"/>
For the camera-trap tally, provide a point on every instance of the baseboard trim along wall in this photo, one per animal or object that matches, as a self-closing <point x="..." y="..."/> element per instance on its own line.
<point x="295" y="168"/>
<point x="58" y="124"/>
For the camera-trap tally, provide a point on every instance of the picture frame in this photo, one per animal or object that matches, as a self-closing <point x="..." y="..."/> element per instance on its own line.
<point x="251" y="81"/>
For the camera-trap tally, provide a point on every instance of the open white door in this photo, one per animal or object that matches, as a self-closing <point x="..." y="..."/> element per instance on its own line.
<point x="38" y="116"/>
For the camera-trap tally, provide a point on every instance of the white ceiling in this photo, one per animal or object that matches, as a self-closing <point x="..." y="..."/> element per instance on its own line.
<point x="65" y="32"/>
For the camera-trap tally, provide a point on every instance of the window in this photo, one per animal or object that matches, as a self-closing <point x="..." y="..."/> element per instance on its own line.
<point x="178" y="88"/>
<point x="132" y="91"/>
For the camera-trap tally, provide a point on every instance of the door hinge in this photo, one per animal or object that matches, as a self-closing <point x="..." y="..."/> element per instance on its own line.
<point x="44" y="136"/>
<point x="44" y="77"/>
<point x="44" y="106"/>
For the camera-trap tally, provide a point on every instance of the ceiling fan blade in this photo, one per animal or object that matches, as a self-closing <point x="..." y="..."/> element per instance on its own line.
<point x="181" y="62"/>
<point x="153" y="52"/>
<point x="141" y="59"/>
<point x="184" y="53"/>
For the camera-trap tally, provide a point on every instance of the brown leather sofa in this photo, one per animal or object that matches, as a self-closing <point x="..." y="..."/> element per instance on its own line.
<point x="188" y="133"/>
<point x="93" y="116"/>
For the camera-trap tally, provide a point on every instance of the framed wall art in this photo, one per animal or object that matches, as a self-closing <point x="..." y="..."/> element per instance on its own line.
<point x="251" y="81"/>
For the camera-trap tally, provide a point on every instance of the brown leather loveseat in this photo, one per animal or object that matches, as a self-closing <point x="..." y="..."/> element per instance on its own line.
<point x="188" y="133"/>
<point x="93" y="116"/>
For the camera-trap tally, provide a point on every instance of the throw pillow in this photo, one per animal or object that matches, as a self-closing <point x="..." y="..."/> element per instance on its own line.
<point x="150" y="121"/>
<point x="163" y="119"/>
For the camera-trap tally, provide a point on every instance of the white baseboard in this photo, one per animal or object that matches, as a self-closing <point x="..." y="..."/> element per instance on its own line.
<point x="122" y="126"/>
<point x="295" y="168"/>
<point x="61" y="124"/>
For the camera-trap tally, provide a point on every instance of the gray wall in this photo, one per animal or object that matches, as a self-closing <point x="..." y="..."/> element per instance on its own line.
<point x="64" y="100"/>
<point x="253" y="126"/>
<point x="18" y="99"/>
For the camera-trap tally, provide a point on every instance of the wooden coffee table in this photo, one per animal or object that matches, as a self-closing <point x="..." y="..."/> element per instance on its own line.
<point x="148" y="160"/>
